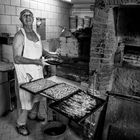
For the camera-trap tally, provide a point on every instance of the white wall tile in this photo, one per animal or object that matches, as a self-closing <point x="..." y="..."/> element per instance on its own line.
<point x="51" y="22"/>
<point x="59" y="10"/>
<point x="55" y="28"/>
<point x="43" y="1"/>
<point x="33" y="4"/>
<point x="56" y="2"/>
<point x="37" y="13"/>
<point x="10" y="10"/>
<point x="48" y="1"/>
<point x="11" y="29"/>
<point x="56" y="22"/>
<point x="56" y="9"/>
<point x="15" y="20"/>
<point x="25" y="3"/>
<point x="50" y="15"/>
<point x="5" y="19"/>
<point x="51" y="8"/>
<point x="2" y="28"/>
<point x="53" y="2"/>
<point x="47" y="7"/>
<point x="2" y="11"/>
<point x="44" y="14"/>
<point x="41" y="6"/>
<point x="15" y="2"/>
<point x="5" y="2"/>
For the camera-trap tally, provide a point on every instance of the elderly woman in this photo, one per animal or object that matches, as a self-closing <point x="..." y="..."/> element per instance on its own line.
<point x="28" y="52"/>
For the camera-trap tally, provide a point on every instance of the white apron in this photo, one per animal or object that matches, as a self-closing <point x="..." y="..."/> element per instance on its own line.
<point x="31" y="50"/>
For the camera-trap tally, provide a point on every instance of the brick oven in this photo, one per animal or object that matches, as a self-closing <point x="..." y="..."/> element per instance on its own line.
<point x="115" y="39"/>
<point x="114" y="54"/>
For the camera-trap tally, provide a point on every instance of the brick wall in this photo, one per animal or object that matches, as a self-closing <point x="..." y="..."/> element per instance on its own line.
<point x="103" y="46"/>
<point x="56" y="13"/>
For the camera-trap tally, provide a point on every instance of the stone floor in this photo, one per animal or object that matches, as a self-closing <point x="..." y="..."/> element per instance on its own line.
<point x="8" y="132"/>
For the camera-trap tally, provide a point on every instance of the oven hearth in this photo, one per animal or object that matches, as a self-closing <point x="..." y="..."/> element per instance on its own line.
<point x="132" y="55"/>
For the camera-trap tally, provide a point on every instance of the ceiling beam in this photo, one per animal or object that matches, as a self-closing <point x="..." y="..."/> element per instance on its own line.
<point x="82" y="1"/>
<point x="121" y="2"/>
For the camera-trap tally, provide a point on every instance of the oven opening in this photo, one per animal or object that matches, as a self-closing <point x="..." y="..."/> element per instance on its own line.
<point x="132" y="50"/>
<point x="127" y="21"/>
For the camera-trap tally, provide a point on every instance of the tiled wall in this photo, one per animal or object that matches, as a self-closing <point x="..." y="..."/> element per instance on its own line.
<point x="56" y="13"/>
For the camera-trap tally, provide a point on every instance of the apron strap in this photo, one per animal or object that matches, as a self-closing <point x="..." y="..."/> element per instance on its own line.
<point x="22" y="30"/>
<point x="22" y="51"/>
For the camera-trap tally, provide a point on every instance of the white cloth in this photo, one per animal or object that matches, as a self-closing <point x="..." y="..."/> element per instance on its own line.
<point x="31" y="50"/>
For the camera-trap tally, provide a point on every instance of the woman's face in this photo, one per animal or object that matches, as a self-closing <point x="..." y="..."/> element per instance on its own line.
<point x="27" y="18"/>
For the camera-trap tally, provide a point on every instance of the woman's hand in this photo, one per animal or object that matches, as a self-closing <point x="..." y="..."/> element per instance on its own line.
<point x="44" y="63"/>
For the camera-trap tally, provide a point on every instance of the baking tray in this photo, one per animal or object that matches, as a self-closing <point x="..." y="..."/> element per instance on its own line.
<point x="59" y="91"/>
<point x="73" y="105"/>
<point x="37" y="86"/>
<point x="54" y="61"/>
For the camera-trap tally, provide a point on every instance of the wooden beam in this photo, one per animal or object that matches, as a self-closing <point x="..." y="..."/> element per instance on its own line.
<point x="121" y="2"/>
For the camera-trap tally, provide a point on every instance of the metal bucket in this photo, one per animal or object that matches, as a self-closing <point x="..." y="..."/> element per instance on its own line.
<point x="55" y="130"/>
